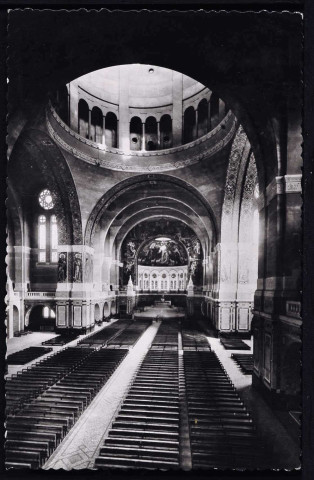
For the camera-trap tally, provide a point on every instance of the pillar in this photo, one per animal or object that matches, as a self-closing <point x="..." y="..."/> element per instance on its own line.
<point x="73" y="106"/>
<point x="221" y="110"/>
<point x="103" y="130"/>
<point x="143" y="137"/>
<point x="106" y="272"/>
<point x="196" y="124"/>
<point x="208" y="273"/>
<point x="177" y="108"/>
<point x="209" y="117"/>
<point x="89" y="123"/>
<point x="124" y="124"/>
<point x="130" y="293"/>
<point x="22" y="260"/>
<point x="276" y="322"/>
<point x="158" y="135"/>
<point x="74" y="287"/>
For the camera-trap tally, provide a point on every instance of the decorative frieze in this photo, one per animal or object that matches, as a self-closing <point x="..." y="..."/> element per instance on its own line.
<point x="283" y="184"/>
<point x="219" y="137"/>
<point x="293" y="183"/>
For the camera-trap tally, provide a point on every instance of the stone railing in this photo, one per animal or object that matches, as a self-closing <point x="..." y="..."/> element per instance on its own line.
<point x="133" y="161"/>
<point x="40" y="294"/>
<point x="293" y="309"/>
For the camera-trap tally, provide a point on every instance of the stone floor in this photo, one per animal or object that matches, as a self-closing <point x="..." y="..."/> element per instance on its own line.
<point x="282" y="452"/>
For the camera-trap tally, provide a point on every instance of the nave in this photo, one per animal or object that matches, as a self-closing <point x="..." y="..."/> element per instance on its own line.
<point x="177" y="408"/>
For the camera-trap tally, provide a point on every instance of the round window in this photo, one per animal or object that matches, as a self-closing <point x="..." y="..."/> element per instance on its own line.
<point x="134" y="140"/>
<point x="45" y="200"/>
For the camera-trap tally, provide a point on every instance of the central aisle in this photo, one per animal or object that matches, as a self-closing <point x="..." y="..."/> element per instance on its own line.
<point x="80" y="446"/>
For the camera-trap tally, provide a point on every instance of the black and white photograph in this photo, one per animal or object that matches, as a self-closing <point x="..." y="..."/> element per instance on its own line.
<point x="154" y="240"/>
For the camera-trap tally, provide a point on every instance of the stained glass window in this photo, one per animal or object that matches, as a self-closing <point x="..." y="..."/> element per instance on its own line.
<point x="48" y="313"/>
<point x="54" y="239"/>
<point x="47" y="239"/>
<point x="42" y="238"/>
<point x="45" y="200"/>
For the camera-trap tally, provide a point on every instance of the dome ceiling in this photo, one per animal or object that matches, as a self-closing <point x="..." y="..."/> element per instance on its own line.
<point x="149" y="85"/>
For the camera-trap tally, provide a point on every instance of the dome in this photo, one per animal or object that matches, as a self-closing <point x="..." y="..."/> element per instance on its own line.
<point x="149" y="86"/>
<point x="139" y="108"/>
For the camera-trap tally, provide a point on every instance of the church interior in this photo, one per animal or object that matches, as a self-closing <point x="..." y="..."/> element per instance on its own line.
<point x="153" y="241"/>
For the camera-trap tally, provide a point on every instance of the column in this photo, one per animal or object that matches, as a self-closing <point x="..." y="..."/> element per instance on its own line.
<point x="221" y="110"/>
<point x="104" y="130"/>
<point x="106" y="273"/>
<point x="75" y="286"/>
<point x="158" y="135"/>
<point x="209" y="126"/>
<point x="89" y="123"/>
<point x="196" y="123"/>
<point x="124" y="124"/>
<point x="177" y="108"/>
<point x="276" y="325"/>
<point x="73" y="106"/>
<point x="208" y="273"/>
<point x="143" y="137"/>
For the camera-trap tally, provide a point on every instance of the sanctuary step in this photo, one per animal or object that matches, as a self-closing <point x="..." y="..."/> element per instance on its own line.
<point x="234" y="344"/>
<point x="245" y="362"/>
<point x="194" y="340"/>
<point x="27" y="355"/>
<point x="145" y="433"/>
<point x="20" y="333"/>
<point x="62" y="339"/>
<point x="162" y="304"/>
<point x="40" y="424"/>
<point x="222" y="432"/>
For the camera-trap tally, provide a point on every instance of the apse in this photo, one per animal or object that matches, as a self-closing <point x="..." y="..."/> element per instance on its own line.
<point x="162" y="256"/>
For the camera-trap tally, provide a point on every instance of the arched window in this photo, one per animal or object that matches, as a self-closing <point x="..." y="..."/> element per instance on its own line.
<point x="42" y="236"/>
<point x="202" y="118"/>
<point x="62" y="103"/>
<point x="151" y="136"/>
<point x="54" y="239"/>
<point x="136" y="134"/>
<point x="214" y="110"/>
<point x="83" y="118"/>
<point x="165" y="132"/>
<point x="189" y="128"/>
<point x="111" y="128"/>
<point x="97" y="125"/>
<point x="48" y="313"/>
<point x="47" y="230"/>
